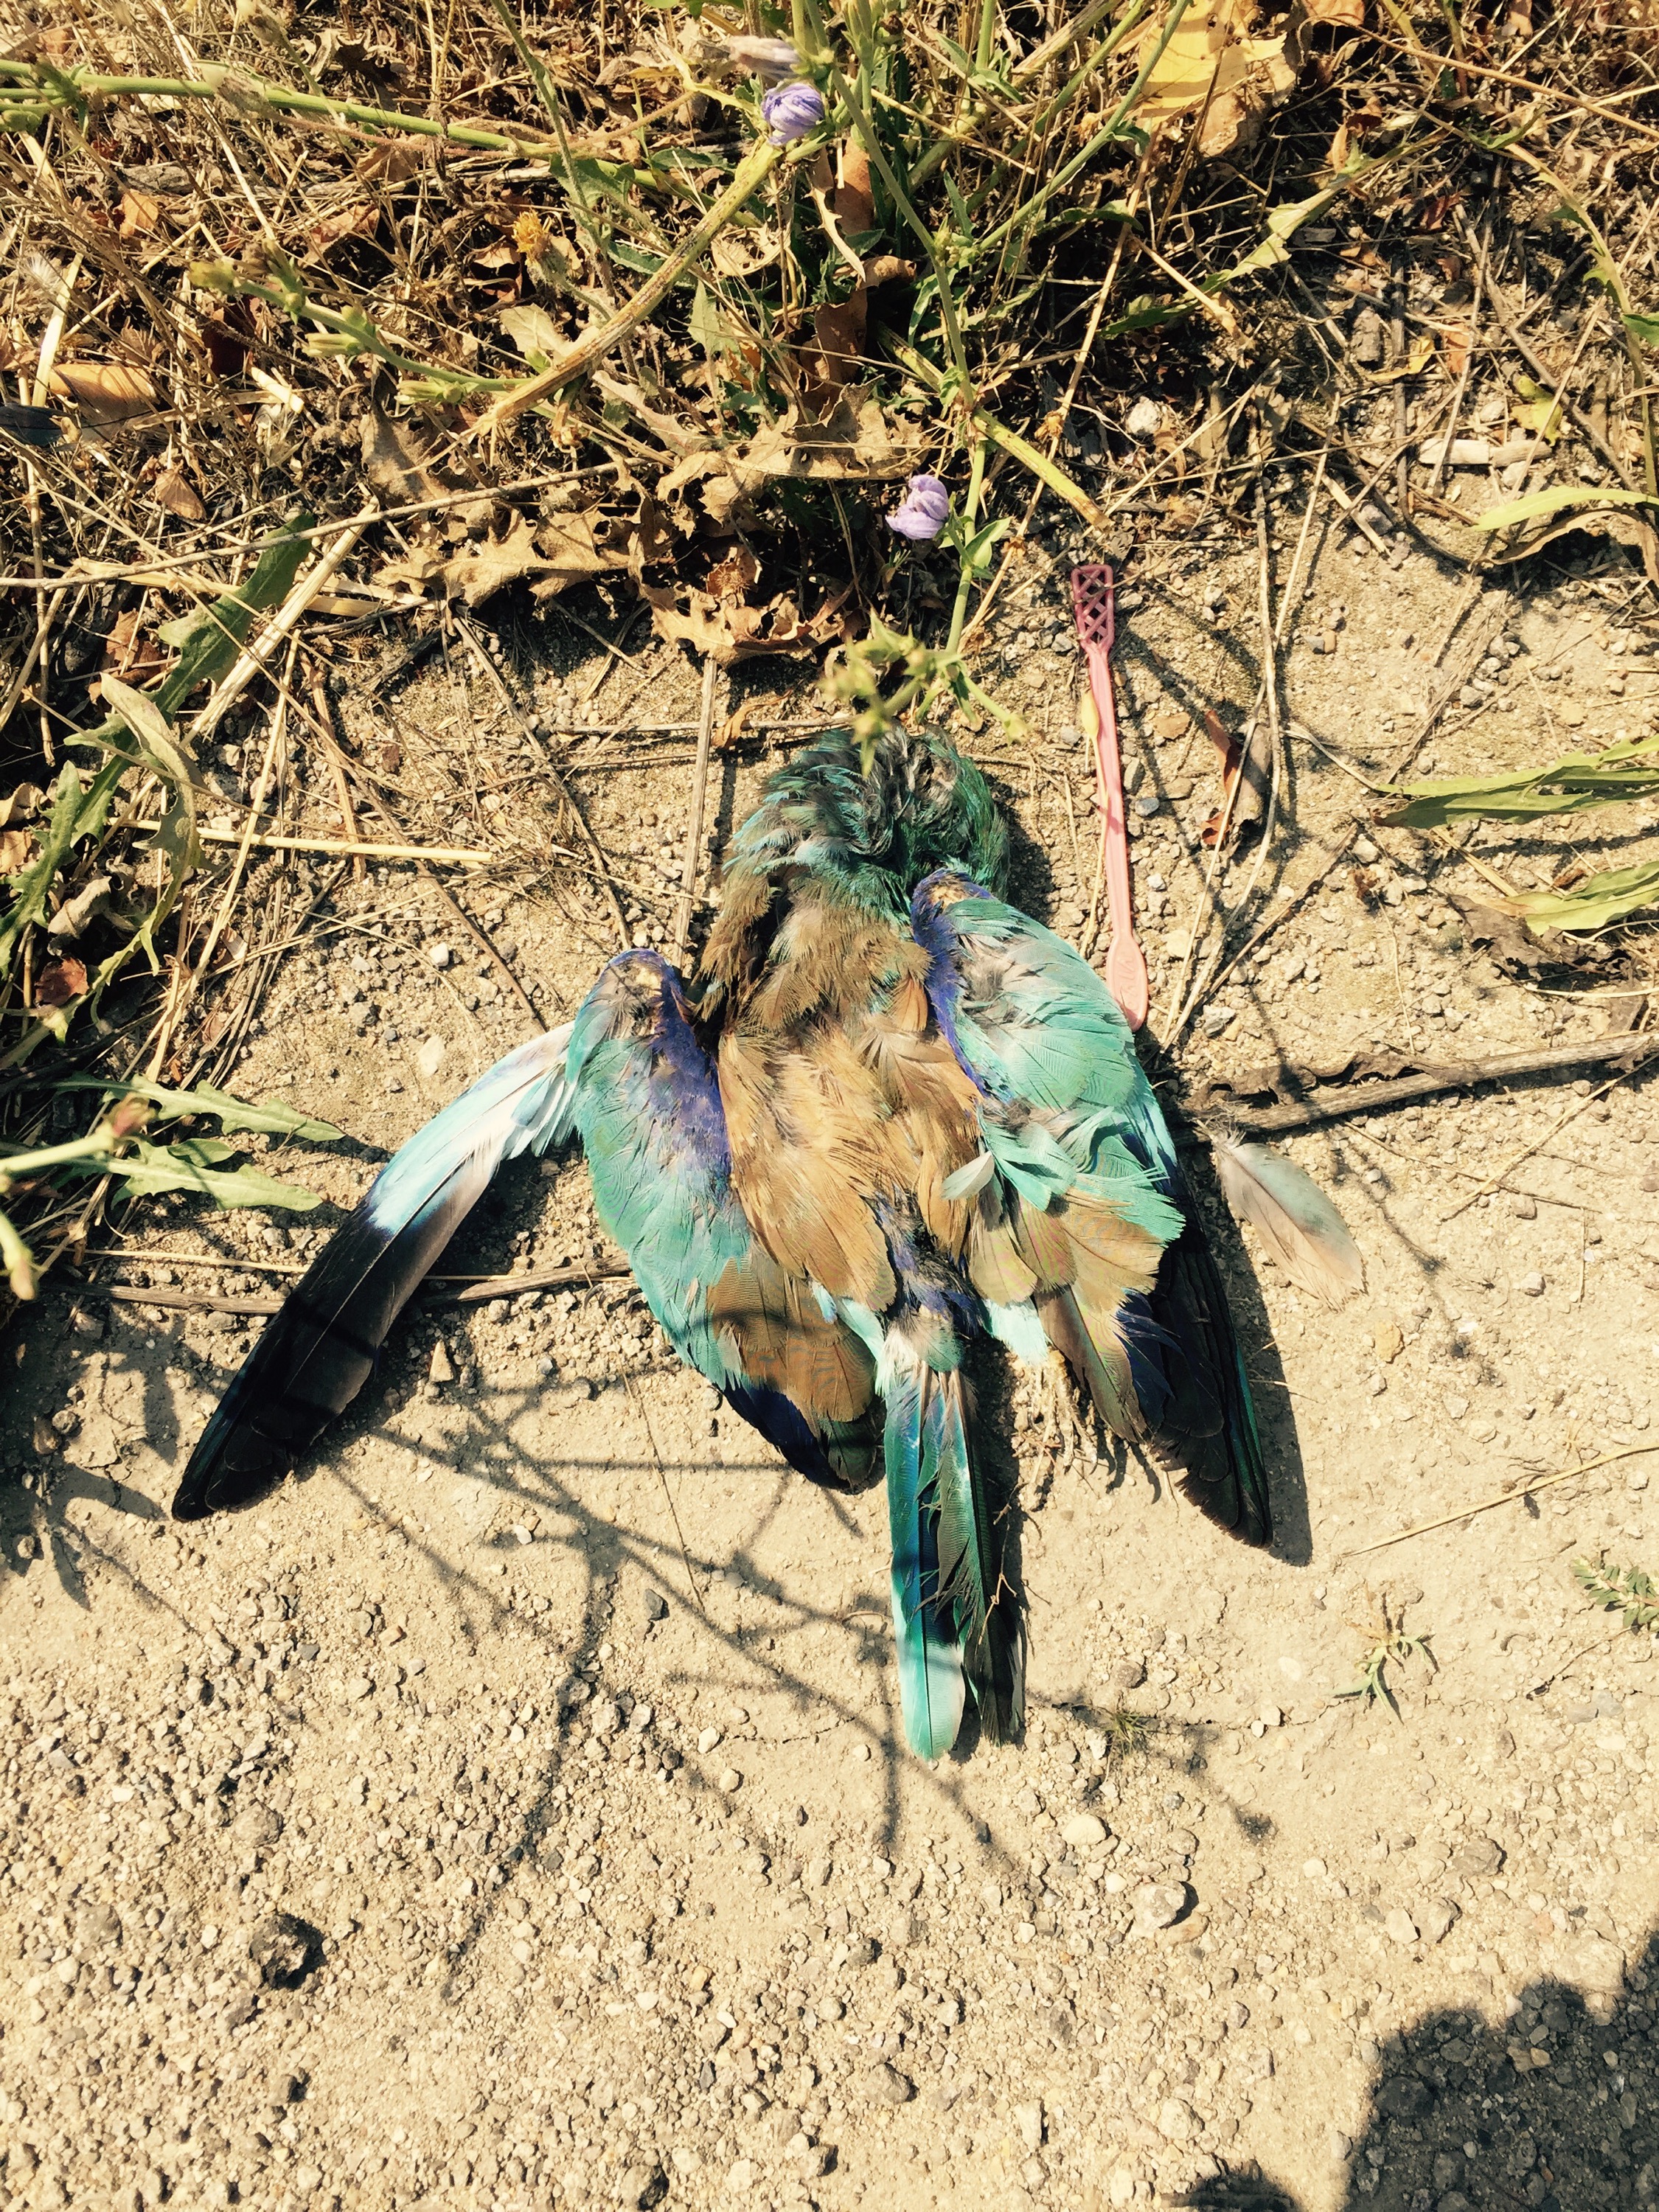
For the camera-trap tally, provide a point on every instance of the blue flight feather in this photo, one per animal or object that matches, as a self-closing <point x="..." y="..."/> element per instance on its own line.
<point x="931" y="1683"/>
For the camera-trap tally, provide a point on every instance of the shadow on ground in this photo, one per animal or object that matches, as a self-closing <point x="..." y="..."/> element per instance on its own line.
<point x="1457" y="2126"/>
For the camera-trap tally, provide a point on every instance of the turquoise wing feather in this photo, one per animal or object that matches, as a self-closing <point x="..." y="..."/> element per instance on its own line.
<point x="646" y="1103"/>
<point x="1114" y="1254"/>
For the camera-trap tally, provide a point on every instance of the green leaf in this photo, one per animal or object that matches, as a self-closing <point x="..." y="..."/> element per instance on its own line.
<point x="709" y="328"/>
<point x="1646" y="328"/>
<point x="1620" y="1589"/>
<point x="271" y="1116"/>
<point x="175" y="834"/>
<point x="1594" y="904"/>
<point x="1283" y="224"/>
<point x="35" y="881"/>
<point x="215" y="635"/>
<point x="193" y="1164"/>
<point x="1573" y="785"/>
<point x="1553" y="499"/>
<point x="1540" y="410"/>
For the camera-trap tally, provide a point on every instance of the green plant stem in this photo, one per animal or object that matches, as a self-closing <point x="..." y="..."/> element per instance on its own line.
<point x="755" y="167"/>
<point x="1031" y="132"/>
<point x="18" y="1259"/>
<point x="1008" y="441"/>
<point x="1102" y="137"/>
<point x="17" y="1165"/>
<point x="853" y="101"/>
<point x="1069" y="34"/>
<point x="970" y="517"/>
<point x="548" y="95"/>
<point x="366" y="335"/>
<point x="287" y="102"/>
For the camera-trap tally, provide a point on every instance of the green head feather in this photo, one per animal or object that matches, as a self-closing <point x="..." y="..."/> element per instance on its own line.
<point x="868" y="830"/>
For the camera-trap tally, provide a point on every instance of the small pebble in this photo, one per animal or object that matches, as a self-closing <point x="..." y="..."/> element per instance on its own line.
<point x="885" y="2085"/>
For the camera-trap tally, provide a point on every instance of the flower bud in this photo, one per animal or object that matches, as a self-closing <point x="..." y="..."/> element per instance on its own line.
<point x="923" y="513"/>
<point x="775" y="59"/>
<point x="792" y="110"/>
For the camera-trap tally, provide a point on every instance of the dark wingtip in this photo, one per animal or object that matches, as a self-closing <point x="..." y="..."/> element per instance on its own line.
<point x="214" y="1482"/>
<point x="30" y="426"/>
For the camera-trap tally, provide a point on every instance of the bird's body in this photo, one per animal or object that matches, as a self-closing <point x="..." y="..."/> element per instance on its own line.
<point x="895" y="1115"/>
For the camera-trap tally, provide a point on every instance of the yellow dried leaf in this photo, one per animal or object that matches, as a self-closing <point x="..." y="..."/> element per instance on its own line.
<point x="394" y="160"/>
<point x="534" y="333"/>
<point x="140" y="212"/>
<point x="104" y="390"/>
<point x="173" y="490"/>
<point x="1214" y="63"/>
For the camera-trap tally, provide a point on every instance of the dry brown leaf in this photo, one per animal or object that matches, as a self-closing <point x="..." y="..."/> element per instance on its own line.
<point x="533" y="331"/>
<point x="838" y="332"/>
<point x="21" y="805"/>
<point x="358" y="221"/>
<point x="394" y="160"/>
<point x="1336" y="14"/>
<point x="140" y="213"/>
<point x="727" y="630"/>
<point x="1215" y="64"/>
<point x="59" y="981"/>
<point x="104" y="390"/>
<point x="571" y="549"/>
<point x="129" y="654"/>
<point x="173" y="490"/>
<point x="743" y="253"/>
<point x="394" y="459"/>
<point x="853" y="444"/>
<point x="17" y="848"/>
<point x="1256" y="764"/>
<point x="676" y="435"/>
<point x="733" y="729"/>
<point x="735" y="576"/>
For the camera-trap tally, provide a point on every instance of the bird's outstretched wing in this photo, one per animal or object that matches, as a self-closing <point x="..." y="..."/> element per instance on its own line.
<point x="629" y="1077"/>
<point x="1083" y="1219"/>
<point x="646" y="1104"/>
<point x="320" y="1349"/>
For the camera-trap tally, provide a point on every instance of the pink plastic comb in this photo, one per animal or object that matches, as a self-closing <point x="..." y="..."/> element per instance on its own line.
<point x="1126" y="964"/>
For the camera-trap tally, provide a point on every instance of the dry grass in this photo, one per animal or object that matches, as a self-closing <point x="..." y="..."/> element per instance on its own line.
<point x="353" y="326"/>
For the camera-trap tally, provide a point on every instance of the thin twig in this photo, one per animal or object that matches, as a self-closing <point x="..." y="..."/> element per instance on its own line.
<point x="251" y="662"/>
<point x="1495" y="1182"/>
<point x="571" y="805"/>
<point x="699" y="799"/>
<point x="1333" y="1103"/>
<point x="449" y="855"/>
<point x="337" y="764"/>
<point x="1501" y="1498"/>
<point x="1449" y="431"/>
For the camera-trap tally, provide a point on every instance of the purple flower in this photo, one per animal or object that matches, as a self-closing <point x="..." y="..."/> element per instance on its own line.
<point x="773" y="59"/>
<point x="923" y="512"/>
<point x="792" y="110"/>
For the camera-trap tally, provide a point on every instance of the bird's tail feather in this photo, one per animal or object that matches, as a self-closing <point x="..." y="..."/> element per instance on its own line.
<point x="317" y="1353"/>
<point x="1162" y="1365"/>
<point x="955" y="1621"/>
<point x="1204" y="1425"/>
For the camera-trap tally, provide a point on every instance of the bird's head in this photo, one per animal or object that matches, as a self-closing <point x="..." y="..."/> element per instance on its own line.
<point x="866" y="831"/>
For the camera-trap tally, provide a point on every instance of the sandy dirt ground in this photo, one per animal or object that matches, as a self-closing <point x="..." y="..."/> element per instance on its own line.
<point x="513" y="1810"/>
